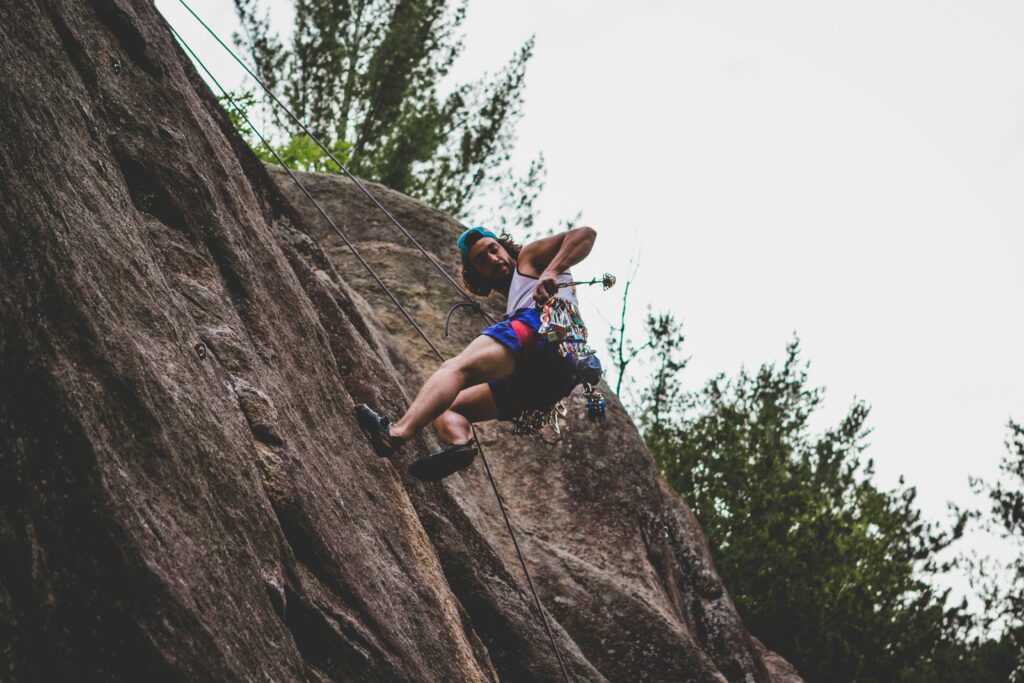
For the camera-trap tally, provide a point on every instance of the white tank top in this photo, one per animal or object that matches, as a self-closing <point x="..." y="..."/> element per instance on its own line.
<point x="520" y="292"/>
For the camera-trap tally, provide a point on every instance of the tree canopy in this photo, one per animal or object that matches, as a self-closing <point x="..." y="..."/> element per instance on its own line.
<point x="1002" y="587"/>
<point x="366" y="77"/>
<point x="826" y="568"/>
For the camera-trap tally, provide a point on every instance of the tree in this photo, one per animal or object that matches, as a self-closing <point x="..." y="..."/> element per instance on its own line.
<point x="826" y="569"/>
<point x="622" y="348"/>
<point x="365" y="75"/>
<point x="1003" y="587"/>
<point x="661" y="399"/>
<point x="517" y="203"/>
<point x="300" y="152"/>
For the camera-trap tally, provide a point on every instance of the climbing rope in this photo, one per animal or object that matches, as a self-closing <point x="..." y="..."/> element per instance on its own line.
<point x="344" y="169"/>
<point x="355" y="252"/>
<point x="241" y="112"/>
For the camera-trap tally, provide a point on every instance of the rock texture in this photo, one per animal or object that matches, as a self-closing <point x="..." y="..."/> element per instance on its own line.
<point x="183" y="491"/>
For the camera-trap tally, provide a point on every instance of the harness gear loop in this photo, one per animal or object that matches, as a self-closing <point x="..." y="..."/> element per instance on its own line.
<point x="561" y="323"/>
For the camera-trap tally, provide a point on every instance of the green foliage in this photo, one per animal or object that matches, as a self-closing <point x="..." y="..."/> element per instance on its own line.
<point x="304" y="154"/>
<point x="300" y="152"/>
<point x="517" y="207"/>
<point x="976" y="660"/>
<point x="665" y="395"/>
<point x="622" y="348"/>
<point x="1003" y="587"/>
<point x="238" y="106"/>
<point x="367" y="72"/>
<point x="827" y="569"/>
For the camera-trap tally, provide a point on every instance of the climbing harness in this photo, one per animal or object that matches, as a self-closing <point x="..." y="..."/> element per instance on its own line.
<point x="242" y="113"/>
<point x="561" y="323"/>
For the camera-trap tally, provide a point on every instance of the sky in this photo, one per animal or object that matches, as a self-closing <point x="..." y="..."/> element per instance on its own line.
<point x="847" y="172"/>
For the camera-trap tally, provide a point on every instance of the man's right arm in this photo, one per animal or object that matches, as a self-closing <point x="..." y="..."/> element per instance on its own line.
<point x="547" y="258"/>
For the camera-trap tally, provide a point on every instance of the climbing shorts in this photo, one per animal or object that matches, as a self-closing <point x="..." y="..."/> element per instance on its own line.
<point x="542" y="376"/>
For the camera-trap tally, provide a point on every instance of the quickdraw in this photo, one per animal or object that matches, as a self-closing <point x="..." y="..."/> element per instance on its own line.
<point x="533" y="420"/>
<point x="595" y="407"/>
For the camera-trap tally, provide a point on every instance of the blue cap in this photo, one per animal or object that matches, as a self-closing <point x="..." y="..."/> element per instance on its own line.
<point x="484" y="232"/>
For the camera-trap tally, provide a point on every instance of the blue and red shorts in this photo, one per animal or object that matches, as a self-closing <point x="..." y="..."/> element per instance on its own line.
<point x="542" y="376"/>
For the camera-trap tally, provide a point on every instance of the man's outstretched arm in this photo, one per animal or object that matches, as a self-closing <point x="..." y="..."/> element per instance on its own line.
<point x="546" y="258"/>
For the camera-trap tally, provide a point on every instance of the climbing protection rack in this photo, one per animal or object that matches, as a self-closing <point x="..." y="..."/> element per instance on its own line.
<point x="470" y="302"/>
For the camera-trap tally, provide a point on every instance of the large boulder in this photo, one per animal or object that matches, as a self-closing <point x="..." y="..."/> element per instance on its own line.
<point x="184" y="493"/>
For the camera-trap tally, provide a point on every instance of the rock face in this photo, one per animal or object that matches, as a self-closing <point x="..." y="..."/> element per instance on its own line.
<point x="184" y="493"/>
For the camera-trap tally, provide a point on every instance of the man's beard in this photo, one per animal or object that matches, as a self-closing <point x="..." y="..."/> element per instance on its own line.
<point x="503" y="284"/>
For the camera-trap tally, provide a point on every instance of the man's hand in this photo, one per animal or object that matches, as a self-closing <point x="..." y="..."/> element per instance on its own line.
<point x="546" y="288"/>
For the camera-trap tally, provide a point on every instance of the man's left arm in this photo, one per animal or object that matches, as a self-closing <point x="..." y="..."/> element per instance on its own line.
<point x="551" y="256"/>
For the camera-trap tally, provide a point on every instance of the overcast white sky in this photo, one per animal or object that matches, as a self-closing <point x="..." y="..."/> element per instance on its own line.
<point x="851" y="172"/>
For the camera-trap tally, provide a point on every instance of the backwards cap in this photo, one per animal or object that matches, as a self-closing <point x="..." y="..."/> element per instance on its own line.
<point x="464" y="238"/>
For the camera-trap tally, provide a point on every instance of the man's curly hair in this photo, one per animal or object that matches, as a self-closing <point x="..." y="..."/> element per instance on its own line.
<point x="475" y="282"/>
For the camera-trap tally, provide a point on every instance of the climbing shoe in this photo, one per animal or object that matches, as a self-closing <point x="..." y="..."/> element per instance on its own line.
<point x="449" y="460"/>
<point x="378" y="428"/>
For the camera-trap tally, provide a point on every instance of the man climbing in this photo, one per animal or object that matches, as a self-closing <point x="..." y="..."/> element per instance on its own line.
<point x="508" y="368"/>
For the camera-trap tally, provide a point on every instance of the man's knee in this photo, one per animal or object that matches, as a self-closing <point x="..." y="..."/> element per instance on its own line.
<point x="451" y="425"/>
<point x="445" y="419"/>
<point x="457" y="367"/>
<point x="468" y="369"/>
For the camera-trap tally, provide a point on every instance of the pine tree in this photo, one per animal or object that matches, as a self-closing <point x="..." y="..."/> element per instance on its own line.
<point x="826" y="568"/>
<point x="1002" y="587"/>
<point x="365" y="76"/>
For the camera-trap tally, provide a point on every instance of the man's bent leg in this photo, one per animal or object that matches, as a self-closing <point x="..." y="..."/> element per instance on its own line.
<point x="475" y="404"/>
<point x="454" y="426"/>
<point x="483" y="360"/>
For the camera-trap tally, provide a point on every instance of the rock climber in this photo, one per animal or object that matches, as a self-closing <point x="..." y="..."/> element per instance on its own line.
<point x="508" y="368"/>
